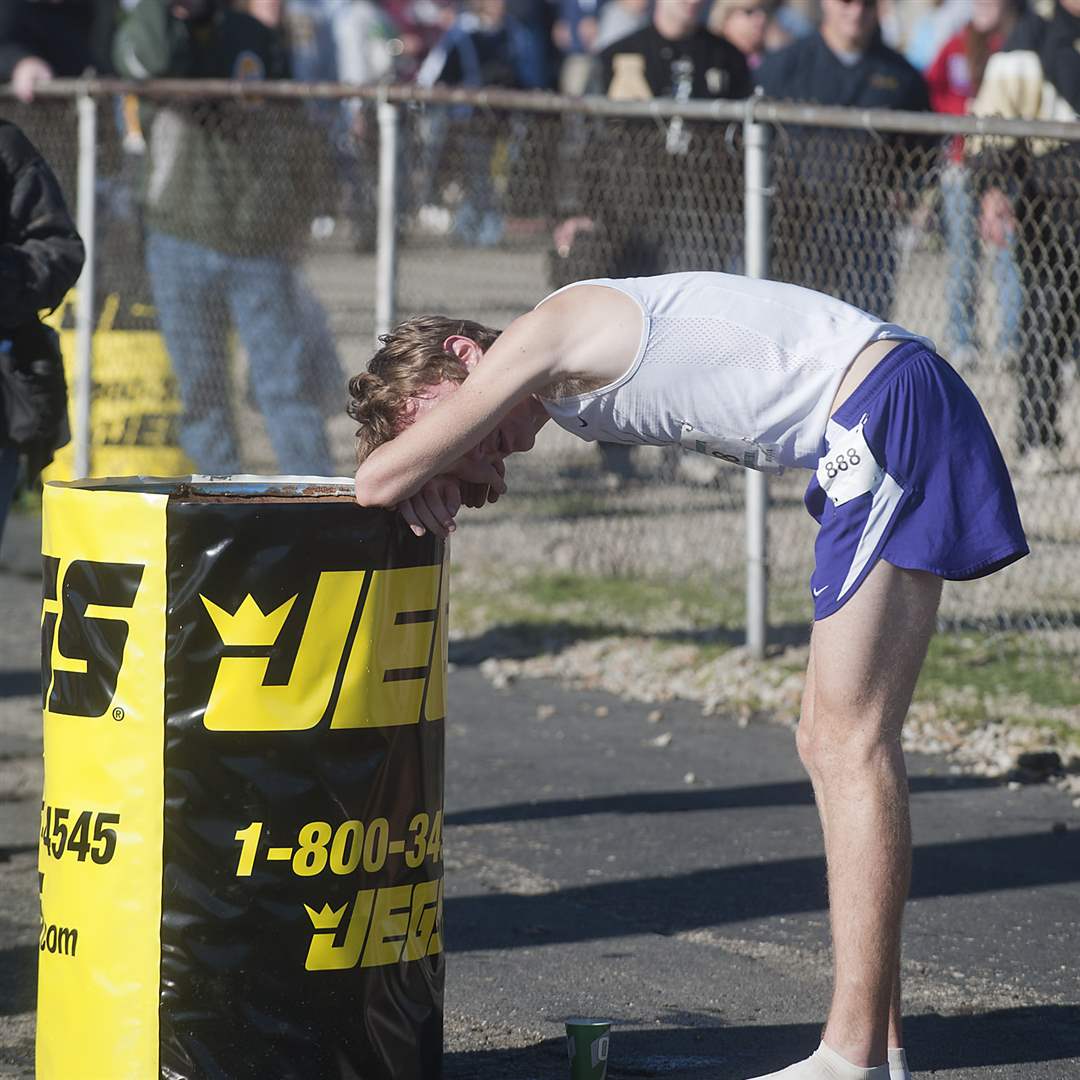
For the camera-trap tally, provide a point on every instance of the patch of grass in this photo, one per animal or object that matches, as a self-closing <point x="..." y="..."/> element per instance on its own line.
<point x="645" y="603"/>
<point x="566" y="504"/>
<point x="676" y="611"/>
<point x="552" y="610"/>
<point x="999" y="665"/>
<point x="628" y="600"/>
<point x="970" y="677"/>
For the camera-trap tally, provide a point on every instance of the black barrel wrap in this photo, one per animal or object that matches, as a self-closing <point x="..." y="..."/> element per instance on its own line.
<point x="236" y="999"/>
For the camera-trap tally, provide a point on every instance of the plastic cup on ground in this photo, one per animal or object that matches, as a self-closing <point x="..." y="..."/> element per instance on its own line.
<point x="587" y="1044"/>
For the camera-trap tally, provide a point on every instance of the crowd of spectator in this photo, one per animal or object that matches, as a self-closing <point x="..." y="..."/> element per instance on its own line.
<point x="553" y="42"/>
<point x="620" y="204"/>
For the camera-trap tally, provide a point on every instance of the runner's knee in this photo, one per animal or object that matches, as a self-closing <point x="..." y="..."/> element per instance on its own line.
<point x="845" y="735"/>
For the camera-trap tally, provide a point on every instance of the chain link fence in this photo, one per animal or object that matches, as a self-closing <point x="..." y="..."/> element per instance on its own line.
<point x="240" y="232"/>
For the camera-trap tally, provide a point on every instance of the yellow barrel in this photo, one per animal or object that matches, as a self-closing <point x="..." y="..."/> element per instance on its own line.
<point x="241" y="838"/>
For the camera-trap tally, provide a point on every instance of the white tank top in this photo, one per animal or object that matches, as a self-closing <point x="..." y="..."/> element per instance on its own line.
<point x="734" y="367"/>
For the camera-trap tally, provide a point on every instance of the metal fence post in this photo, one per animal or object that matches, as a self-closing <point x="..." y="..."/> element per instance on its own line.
<point x="86" y="214"/>
<point x="756" y="179"/>
<point x="386" y="224"/>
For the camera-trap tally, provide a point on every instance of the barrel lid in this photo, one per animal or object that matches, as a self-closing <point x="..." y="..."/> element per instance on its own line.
<point x="240" y="485"/>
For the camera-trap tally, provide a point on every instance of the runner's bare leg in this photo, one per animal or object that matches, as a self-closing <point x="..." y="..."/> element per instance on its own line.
<point x="864" y="662"/>
<point x="896" y="1030"/>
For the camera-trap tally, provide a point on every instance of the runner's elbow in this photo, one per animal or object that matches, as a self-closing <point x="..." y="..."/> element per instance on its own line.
<point x="373" y="489"/>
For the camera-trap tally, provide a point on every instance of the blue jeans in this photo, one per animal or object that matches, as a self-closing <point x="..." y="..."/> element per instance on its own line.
<point x="962" y="238"/>
<point x="199" y="294"/>
<point x="9" y="471"/>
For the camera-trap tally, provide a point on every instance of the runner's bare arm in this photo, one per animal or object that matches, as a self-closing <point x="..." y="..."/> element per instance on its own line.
<point x="524" y="360"/>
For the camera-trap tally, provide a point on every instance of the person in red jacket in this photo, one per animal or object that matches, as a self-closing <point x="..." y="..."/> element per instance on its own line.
<point x="954" y="79"/>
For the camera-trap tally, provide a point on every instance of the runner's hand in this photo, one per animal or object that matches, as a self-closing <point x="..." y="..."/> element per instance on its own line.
<point x="473" y="495"/>
<point x="479" y="495"/>
<point x="493" y="493"/>
<point x="434" y="507"/>
<point x="484" y="471"/>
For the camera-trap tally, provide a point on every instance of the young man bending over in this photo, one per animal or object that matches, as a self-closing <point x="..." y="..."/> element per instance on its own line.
<point x="907" y="483"/>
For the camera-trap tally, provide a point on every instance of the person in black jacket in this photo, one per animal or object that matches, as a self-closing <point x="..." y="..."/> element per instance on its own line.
<point x="677" y="200"/>
<point x="41" y="257"/>
<point x="60" y="39"/>
<point x="841" y="195"/>
<point x="675" y="205"/>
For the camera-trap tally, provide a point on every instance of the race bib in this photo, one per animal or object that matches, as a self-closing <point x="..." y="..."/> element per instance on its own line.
<point x="744" y="452"/>
<point x="848" y="469"/>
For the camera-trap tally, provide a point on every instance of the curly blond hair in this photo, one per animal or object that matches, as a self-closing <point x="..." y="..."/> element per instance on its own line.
<point x="411" y="359"/>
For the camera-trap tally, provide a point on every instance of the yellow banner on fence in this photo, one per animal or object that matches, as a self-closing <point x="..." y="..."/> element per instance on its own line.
<point x="134" y="405"/>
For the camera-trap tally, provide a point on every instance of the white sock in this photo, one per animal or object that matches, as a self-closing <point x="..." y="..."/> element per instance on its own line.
<point x="826" y="1064"/>
<point x="898" y="1066"/>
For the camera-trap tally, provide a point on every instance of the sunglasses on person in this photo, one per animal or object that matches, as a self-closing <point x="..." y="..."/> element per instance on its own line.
<point x="866" y="4"/>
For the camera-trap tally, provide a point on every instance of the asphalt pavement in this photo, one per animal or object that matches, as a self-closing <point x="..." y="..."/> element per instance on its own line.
<point x="665" y="873"/>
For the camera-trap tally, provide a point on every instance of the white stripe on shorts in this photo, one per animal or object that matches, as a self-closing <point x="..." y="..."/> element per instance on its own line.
<point x="882" y="507"/>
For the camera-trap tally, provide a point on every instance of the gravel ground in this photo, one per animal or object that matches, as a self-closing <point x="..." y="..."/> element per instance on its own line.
<point x="767" y="691"/>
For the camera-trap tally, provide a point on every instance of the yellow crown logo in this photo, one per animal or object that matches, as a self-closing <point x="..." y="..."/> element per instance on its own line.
<point x="328" y="918"/>
<point x="248" y="625"/>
